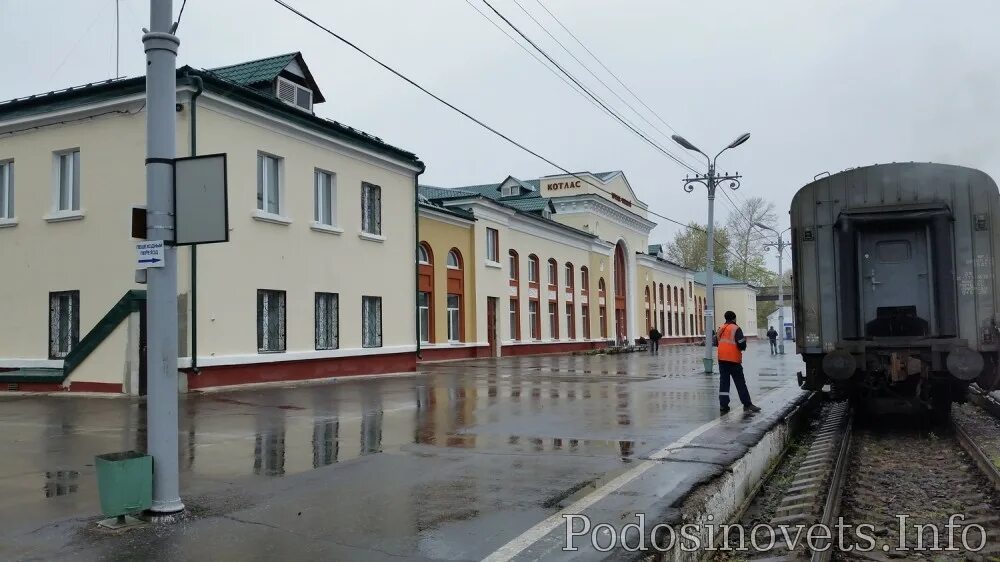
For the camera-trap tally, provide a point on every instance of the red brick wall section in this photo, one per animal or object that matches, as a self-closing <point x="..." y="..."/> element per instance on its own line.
<point x="82" y="386"/>
<point x="546" y="348"/>
<point x="282" y="371"/>
<point x="451" y="353"/>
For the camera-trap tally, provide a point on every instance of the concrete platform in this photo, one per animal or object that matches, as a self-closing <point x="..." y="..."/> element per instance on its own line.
<point x="465" y="461"/>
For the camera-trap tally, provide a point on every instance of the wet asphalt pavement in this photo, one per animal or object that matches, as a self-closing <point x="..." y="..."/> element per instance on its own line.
<point x="453" y="463"/>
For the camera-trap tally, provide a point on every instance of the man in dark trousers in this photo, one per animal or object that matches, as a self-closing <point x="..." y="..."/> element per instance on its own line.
<point x="654" y="340"/>
<point x="772" y="336"/>
<point x="732" y="343"/>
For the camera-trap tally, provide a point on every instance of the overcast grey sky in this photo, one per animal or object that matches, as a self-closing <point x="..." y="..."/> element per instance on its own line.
<point x="820" y="85"/>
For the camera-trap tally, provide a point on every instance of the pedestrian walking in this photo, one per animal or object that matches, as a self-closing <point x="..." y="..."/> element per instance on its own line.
<point x="732" y="343"/>
<point x="654" y="340"/>
<point x="772" y="336"/>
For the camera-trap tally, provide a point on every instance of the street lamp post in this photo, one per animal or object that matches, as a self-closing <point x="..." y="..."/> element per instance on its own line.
<point x="710" y="180"/>
<point x="780" y="245"/>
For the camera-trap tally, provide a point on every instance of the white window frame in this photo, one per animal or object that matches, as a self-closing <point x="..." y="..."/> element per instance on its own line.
<point x="426" y="259"/>
<point x="295" y="88"/>
<point x="263" y="159"/>
<point x="512" y="263"/>
<point x="424" y="317"/>
<point x="514" y="317"/>
<point x="7" y="209"/>
<point x="458" y="260"/>
<point x="327" y="304"/>
<point x="64" y="323"/>
<point x="533" y="270"/>
<point x="534" y="326"/>
<point x="74" y="195"/>
<point x="570" y="313"/>
<point x="371" y="225"/>
<point x="324" y="199"/>
<point x="264" y="344"/>
<point x="585" y="320"/>
<point x="454" y="317"/>
<point x="492" y="245"/>
<point x="553" y="313"/>
<point x="553" y="268"/>
<point x="371" y="305"/>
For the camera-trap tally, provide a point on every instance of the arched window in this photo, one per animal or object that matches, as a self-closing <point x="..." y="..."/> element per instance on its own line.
<point x="602" y="308"/>
<point x="425" y="292"/>
<point x="663" y="314"/>
<point x="532" y="268"/>
<point x="553" y="272"/>
<point x="570" y="278"/>
<point x="584" y="280"/>
<point x="455" y="299"/>
<point x="513" y="265"/>
<point x="648" y="311"/>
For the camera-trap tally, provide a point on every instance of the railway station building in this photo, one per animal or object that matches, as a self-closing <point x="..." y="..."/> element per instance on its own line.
<point x="554" y="264"/>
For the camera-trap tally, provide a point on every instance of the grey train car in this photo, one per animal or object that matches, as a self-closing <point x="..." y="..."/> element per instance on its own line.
<point x="896" y="285"/>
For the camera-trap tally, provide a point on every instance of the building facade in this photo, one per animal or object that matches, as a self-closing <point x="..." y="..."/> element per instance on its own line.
<point x="555" y="264"/>
<point x="731" y="294"/>
<point x="318" y="276"/>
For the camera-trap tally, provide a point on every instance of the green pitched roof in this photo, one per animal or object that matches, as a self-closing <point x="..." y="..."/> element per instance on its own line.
<point x="526" y="204"/>
<point x="255" y="71"/>
<point x="110" y="89"/>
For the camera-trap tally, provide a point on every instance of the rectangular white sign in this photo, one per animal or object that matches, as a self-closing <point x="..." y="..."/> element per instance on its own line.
<point x="149" y="253"/>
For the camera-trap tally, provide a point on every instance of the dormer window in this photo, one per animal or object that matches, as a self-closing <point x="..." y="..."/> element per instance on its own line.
<point x="293" y="94"/>
<point x="510" y="191"/>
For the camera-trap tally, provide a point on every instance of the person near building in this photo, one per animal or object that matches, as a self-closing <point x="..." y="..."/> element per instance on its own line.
<point x="654" y="340"/>
<point x="772" y="336"/>
<point x="732" y="343"/>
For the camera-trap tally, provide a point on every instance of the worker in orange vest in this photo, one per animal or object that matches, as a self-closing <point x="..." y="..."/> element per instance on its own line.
<point x="732" y="343"/>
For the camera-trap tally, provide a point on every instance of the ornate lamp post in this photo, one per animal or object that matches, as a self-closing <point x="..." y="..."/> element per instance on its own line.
<point x="710" y="180"/>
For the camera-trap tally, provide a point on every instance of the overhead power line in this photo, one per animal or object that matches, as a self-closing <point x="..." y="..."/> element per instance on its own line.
<point x="605" y="67"/>
<point x="470" y="117"/>
<point x="613" y="91"/>
<point x="532" y="54"/>
<point x="596" y="98"/>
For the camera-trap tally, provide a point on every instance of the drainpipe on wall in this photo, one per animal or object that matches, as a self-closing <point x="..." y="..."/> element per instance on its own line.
<point x="416" y="264"/>
<point x="200" y="87"/>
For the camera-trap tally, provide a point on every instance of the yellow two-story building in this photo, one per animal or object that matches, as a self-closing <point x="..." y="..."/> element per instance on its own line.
<point x="318" y="277"/>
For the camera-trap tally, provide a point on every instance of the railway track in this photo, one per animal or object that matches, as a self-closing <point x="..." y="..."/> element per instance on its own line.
<point x="885" y="493"/>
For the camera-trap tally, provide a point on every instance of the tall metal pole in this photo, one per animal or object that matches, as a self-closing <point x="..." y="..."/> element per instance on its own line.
<point x="710" y="270"/>
<point x="781" y="298"/>
<point x="160" y="45"/>
<point x="710" y="180"/>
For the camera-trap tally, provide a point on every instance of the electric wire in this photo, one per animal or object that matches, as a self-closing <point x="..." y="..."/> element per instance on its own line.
<point x="472" y="118"/>
<point x="532" y="54"/>
<point x="591" y="72"/>
<point x="596" y="98"/>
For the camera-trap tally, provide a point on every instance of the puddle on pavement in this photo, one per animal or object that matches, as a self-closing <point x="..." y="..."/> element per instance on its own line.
<point x="60" y="483"/>
<point x="575" y="410"/>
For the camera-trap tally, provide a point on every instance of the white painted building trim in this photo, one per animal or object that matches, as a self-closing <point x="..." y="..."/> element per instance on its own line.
<point x="221" y="360"/>
<point x="444" y="217"/>
<point x="19" y="363"/>
<point x="453" y="345"/>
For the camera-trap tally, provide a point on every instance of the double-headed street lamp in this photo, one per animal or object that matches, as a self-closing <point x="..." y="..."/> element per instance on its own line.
<point x="780" y="245"/>
<point x="710" y="179"/>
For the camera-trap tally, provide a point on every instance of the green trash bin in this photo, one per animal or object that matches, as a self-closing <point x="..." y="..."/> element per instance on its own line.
<point x="124" y="482"/>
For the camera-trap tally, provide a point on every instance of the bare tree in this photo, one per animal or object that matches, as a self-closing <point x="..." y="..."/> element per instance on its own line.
<point x="748" y="262"/>
<point x="689" y="248"/>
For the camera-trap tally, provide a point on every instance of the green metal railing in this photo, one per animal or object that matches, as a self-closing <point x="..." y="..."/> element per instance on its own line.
<point x="132" y="301"/>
